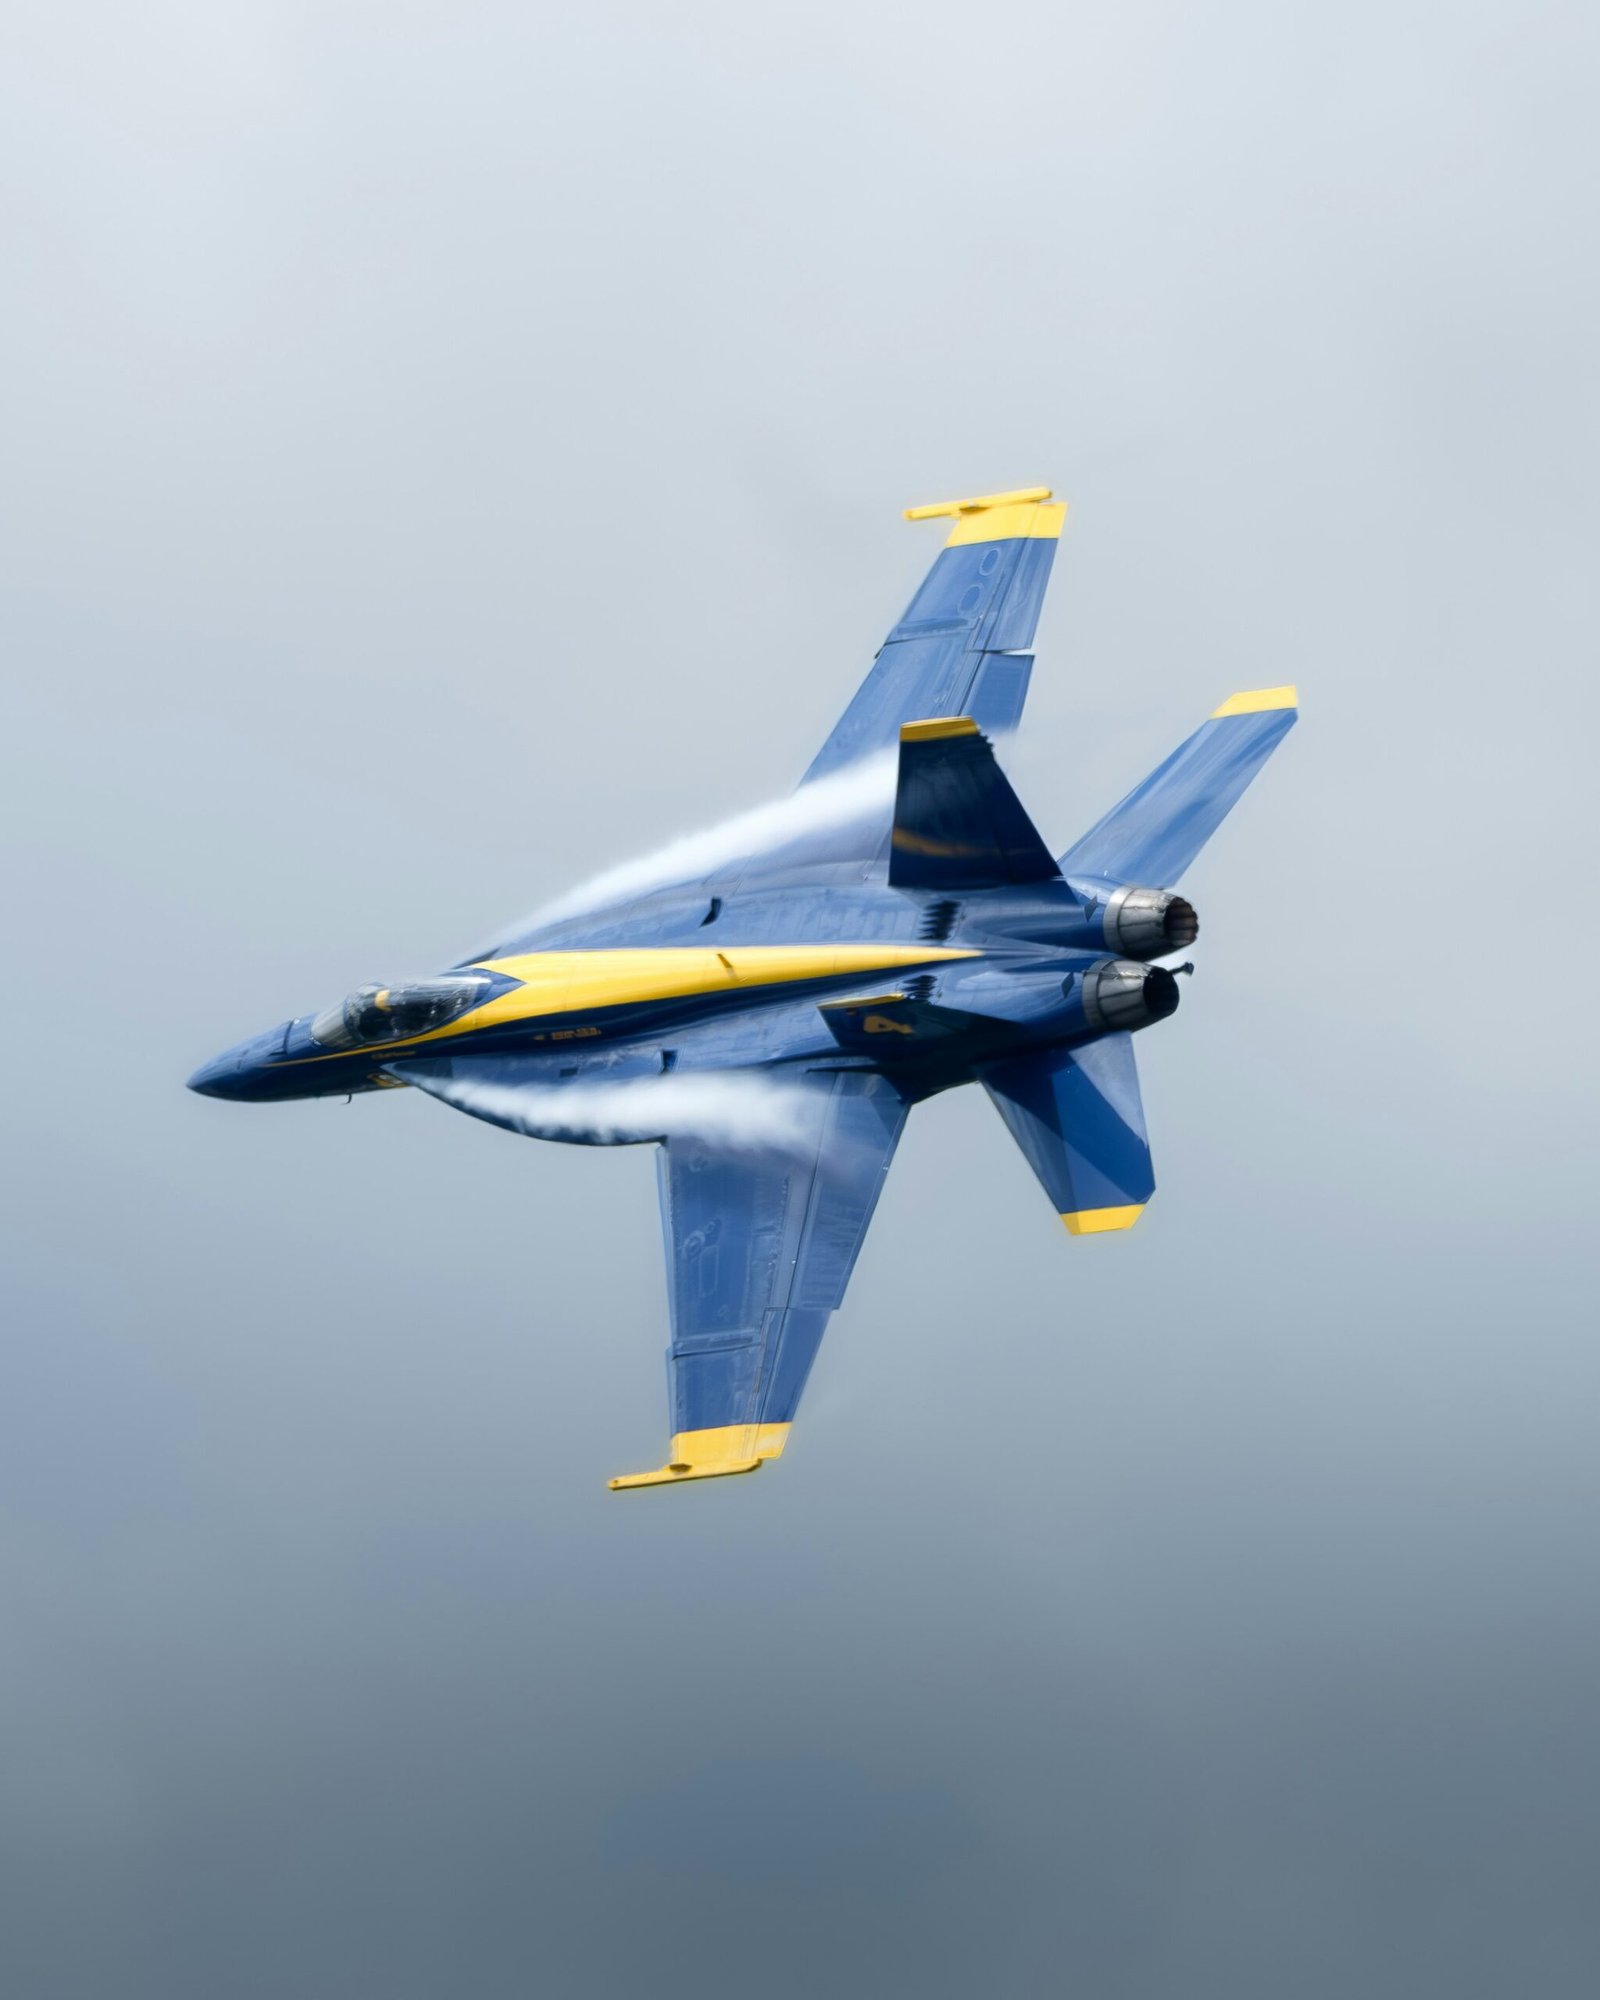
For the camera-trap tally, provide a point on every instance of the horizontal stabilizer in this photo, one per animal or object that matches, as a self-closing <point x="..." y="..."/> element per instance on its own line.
<point x="1159" y="828"/>
<point x="957" y="822"/>
<point x="1077" y="1116"/>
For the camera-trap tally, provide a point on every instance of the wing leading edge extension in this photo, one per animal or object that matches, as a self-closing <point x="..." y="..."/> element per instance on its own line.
<point x="760" y="1244"/>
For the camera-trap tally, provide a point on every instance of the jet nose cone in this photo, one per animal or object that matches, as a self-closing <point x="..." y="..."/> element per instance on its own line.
<point x="243" y="1071"/>
<point x="219" y="1078"/>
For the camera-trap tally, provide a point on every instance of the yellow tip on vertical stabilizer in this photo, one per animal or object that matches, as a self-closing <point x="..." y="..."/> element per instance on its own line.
<point x="936" y="727"/>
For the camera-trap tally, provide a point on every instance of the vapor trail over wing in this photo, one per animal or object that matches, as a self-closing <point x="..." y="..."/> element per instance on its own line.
<point x="624" y="1103"/>
<point x="959" y="650"/>
<point x="844" y="814"/>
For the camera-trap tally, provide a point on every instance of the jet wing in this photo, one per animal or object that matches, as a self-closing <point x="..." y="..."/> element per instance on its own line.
<point x="760" y="1241"/>
<point x="961" y="647"/>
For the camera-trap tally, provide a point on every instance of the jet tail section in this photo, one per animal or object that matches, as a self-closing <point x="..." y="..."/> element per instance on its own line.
<point x="1077" y="1116"/>
<point x="1159" y="828"/>
<point x="957" y="822"/>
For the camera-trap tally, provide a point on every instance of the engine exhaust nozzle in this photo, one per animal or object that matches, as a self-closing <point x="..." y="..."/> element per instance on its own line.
<point x="1148" y="923"/>
<point x="1121" y="995"/>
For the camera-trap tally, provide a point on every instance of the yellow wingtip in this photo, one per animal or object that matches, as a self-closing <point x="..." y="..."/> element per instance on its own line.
<point x="998" y="517"/>
<point x="711" y="1454"/>
<point x="1097" y="1221"/>
<point x="1253" y="700"/>
<point x="1022" y="496"/>
<point x="676" y="1473"/>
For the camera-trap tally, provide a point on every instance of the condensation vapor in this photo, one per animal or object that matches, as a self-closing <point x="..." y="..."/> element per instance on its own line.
<point x="864" y="792"/>
<point x="745" y="1111"/>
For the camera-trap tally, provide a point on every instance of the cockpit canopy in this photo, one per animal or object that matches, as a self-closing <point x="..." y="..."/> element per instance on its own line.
<point x="396" y="1013"/>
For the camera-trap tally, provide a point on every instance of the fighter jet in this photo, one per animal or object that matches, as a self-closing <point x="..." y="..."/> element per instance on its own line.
<point x="771" y="1024"/>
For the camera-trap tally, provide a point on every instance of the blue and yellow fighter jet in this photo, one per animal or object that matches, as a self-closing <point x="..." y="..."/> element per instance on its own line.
<point x="771" y="1024"/>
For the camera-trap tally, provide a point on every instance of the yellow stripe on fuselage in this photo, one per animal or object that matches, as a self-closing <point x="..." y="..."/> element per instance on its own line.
<point x="554" y="983"/>
<point x="577" y="982"/>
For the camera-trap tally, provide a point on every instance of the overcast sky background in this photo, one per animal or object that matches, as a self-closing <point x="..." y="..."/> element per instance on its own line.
<point x="449" y="448"/>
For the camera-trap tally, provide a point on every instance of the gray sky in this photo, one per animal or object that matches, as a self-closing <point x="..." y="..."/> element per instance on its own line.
<point x="446" y="449"/>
